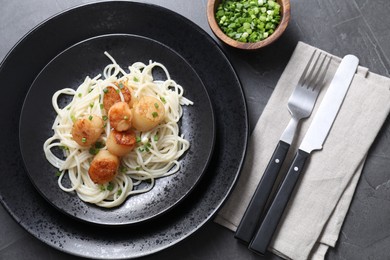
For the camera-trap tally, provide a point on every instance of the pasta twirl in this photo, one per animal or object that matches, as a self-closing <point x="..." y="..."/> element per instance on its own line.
<point x="157" y="150"/>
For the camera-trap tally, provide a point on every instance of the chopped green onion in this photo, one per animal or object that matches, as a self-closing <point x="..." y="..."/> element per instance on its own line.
<point x="63" y="147"/>
<point x="90" y="118"/>
<point x="117" y="90"/>
<point x="110" y="186"/>
<point x="137" y="168"/>
<point x="248" y="20"/>
<point x="156" y="105"/>
<point x="91" y="105"/>
<point x="99" y="145"/>
<point x="101" y="106"/>
<point x="163" y="100"/>
<point x="155" y="138"/>
<point x="105" y="90"/>
<point x="155" y="114"/>
<point x="120" y="85"/>
<point x="102" y="188"/>
<point x="58" y="174"/>
<point x="93" y="150"/>
<point x="138" y="139"/>
<point x="105" y="118"/>
<point x="135" y="79"/>
<point x="83" y="140"/>
<point x="79" y="95"/>
<point x="119" y="192"/>
<point x="123" y="169"/>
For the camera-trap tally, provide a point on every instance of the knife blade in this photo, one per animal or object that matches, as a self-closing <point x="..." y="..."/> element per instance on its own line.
<point x="313" y="140"/>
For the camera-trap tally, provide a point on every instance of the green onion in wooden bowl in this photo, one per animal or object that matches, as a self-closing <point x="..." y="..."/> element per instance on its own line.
<point x="248" y="24"/>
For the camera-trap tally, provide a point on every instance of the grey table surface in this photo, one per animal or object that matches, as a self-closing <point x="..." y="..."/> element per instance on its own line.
<point x="340" y="27"/>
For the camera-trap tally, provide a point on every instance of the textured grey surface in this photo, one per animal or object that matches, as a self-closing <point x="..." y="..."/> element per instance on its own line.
<point x="360" y="27"/>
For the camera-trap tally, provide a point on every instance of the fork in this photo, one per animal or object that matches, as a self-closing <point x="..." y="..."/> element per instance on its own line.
<point x="300" y="105"/>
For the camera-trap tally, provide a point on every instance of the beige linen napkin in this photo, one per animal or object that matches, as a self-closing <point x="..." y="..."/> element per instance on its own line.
<point x="313" y="219"/>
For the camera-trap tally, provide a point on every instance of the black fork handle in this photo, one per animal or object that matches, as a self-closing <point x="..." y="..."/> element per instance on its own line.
<point x="253" y="213"/>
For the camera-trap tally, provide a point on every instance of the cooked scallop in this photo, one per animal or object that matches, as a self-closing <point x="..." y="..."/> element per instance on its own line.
<point x="121" y="143"/>
<point x="87" y="130"/>
<point x="148" y="112"/>
<point x="104" y="167"/>
<point x="111" y="96"/>
<point x="120" y="116"/>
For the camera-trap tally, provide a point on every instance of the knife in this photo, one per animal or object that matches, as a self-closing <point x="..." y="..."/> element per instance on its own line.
<point x="313" y="140"/>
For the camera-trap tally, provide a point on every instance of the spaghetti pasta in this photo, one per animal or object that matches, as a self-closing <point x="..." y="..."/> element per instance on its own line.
<point x="157" y="151"/>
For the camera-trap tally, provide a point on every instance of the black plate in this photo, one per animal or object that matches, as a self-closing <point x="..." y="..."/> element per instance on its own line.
<point x="35" y="50"/>
<point x="69" y="69"/>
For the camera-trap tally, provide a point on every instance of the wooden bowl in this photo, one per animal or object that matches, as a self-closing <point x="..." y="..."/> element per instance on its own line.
<point x="212" y="6"/>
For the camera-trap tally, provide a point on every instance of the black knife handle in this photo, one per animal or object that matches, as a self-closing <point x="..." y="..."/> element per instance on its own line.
<point x="267" y="228"/>
<point x="253" y="213"/>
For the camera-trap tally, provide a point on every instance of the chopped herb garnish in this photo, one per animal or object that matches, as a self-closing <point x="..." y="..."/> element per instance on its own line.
<point x="248" y="21"/>
<point x="155" y="105"/>
<point x="63" y="147"/>
<point x="99" y="145"/>
<point x="119" y="192"/>
<point x="135" y="79"/>
<point x="58" y="174"/>
<point x="137" y="168"/>
<point x="102" y="188"/>
<point x="105" y="90"/>
<point x="80" y="95"/>
<point x="110" y="186"/>
<point x="91" y="105"/>
<point x="93" y="150"/>
<point x="146" y="147"/>
<point x="105" y="124"/>
<point x="123" y="169"/>
<point x="141" y="149"/>
<point x="155" y="138"/>
<point x="83" y="140"/>
<point x="105" y="118"/>
<point x="90" y="117"/>
<point x="120" y="85"/>
<point x="73" y="118"/>
<point x="155" y="114"/>
<point x="101" y="106"/>
<point x="138" y="139"/>
<point x="163" y="100"/>
<point x="117" y="91"/>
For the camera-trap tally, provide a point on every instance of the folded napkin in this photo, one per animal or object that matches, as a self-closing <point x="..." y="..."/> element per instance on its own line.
<point x="313" y="218"/>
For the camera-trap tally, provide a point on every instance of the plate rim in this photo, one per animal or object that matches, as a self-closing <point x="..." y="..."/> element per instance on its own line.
<point x="201" y="173"/>
<point x="199" y="30"/>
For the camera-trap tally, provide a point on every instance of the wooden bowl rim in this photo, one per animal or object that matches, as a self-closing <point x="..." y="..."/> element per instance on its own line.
<point x="285" y="14"/>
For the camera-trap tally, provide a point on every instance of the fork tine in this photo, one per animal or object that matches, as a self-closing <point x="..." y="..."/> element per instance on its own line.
<point x="322" y="77"/>
<point x="303" y="76"/>
<point x="315" y="82"/>
<point x="309" y="78"/>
